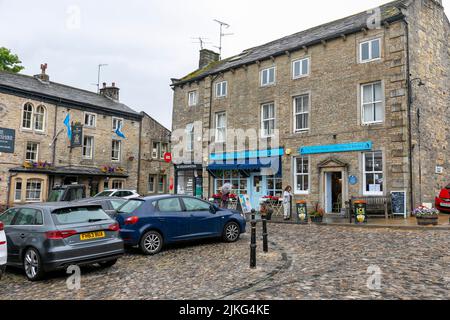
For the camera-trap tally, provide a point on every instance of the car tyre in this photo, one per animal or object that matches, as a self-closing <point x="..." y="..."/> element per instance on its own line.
<point x="32" y="264"/>
<point x="151" y="243"/>
<point x="231" y="232"/>
<point x="108" y="264"/>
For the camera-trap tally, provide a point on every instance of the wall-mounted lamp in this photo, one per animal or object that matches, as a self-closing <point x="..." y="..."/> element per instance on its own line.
<point x="288" y="152"/>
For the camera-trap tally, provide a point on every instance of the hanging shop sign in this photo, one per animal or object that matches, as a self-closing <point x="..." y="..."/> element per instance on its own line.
<point x="332" y="148"/>
<point x="7" y="140"/>
<point x="77" y="136"/>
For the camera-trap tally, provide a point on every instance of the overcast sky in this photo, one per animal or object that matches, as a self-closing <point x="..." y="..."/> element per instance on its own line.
<point x="145" y="43"/>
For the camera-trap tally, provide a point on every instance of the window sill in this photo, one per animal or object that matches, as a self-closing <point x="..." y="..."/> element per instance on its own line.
<point x="373" y="194"/>
<point x="369" y="61"/>
<point x="301" y="193"/>
<point x="268" y="85"/>
<point x="368" y="124"/>
<point x="302" y="131"/>
<point x="300" y="77"/>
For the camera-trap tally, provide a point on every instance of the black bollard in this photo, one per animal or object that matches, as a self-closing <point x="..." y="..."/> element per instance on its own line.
<point x="264" y="227"/>
<point x="253" y="242"/>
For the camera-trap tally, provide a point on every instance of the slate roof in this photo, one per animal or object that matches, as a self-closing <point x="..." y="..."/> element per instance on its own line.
<point x="58" y="91"/>
<point x="87" y="171"/>
<point x="389" y="12"/>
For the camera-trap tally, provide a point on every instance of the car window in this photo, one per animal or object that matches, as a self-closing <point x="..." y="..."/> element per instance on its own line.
<point x="126" y="193"/>
<point x="119" y="194"/>
<point x="130" y="206"/>
<point x="169" y="205"/>
<point x="115" y="204"/>
<point x="104" y="194"/>
<point x="8" y="216"/>
<point x="28" y="217"/>
<point x="79" y="215"/>
<point x="196" y="205"/>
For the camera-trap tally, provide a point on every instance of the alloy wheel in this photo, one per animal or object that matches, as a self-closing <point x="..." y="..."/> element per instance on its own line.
<point x="152" y="243"/>
<point x="31" y="263"/>
<point x="232" y="232"/>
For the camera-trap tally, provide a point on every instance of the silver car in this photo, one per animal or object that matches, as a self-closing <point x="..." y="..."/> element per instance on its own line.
<point x="51" y="236"/>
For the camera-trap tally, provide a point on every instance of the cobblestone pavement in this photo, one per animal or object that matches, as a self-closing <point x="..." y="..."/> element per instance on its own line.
<point x="305" y="262"/>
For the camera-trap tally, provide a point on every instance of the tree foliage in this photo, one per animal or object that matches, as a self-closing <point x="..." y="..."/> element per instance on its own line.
<point x="9" y="61"/>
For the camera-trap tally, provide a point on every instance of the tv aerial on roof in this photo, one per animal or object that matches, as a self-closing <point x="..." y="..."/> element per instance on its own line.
<point x="202" y="41"/>
<point x="222" y="34"/>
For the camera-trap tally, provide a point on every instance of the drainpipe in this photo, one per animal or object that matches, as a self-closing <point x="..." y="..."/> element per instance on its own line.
<point x="139" y="153"/>
<point x="9" y="188"/>
<point x="211" y="93"/>
<point x="408" y="79"/>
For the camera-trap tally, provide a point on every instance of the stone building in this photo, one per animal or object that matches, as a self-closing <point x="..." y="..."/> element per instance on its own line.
<point x="35" y="152"/>
<point x="154" y="171"/>
<point x="355" y="107"/>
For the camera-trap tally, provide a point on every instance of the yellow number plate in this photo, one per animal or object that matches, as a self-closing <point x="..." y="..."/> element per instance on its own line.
<point x="92" y="235"/>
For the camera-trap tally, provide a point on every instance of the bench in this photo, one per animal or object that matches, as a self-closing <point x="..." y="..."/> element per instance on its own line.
<point x="377" y="206"/>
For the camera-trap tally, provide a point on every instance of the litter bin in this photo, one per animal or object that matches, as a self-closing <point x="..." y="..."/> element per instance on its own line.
<point x="360" y="210"/>
<point x="302" y="212"/>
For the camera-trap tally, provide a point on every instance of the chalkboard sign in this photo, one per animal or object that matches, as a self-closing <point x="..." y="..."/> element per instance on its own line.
<point x="398" y="199"/>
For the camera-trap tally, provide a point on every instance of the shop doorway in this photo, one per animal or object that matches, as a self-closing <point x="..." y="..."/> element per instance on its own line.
<point x="257" y="190"/>
<point x="333" y="192"/>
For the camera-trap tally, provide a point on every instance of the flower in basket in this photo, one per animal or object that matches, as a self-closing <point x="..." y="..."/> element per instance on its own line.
<point x="425" y="212"/>
<point x="317" y="212"/>
<point x="232" y="196"/>
<point x="217" y="196"/>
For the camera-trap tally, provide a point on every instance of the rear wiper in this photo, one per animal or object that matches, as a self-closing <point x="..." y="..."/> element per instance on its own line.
<point x="96" y="220"/>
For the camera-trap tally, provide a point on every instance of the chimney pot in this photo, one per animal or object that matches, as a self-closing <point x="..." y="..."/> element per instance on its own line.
<point x="206" y="57"/>
<point x="111" y="92"/>
<point x="43" y="76"/>
<point x="113" y="84"/>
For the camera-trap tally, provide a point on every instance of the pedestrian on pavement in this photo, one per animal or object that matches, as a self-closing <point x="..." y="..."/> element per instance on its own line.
<point x="287" y="202"/>
<point x="226" y="190"/>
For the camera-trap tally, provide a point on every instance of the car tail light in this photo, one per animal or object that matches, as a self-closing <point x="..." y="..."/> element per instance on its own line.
<point x="114" y="227"/>
<point x="2" y="227"/>
<point x="131" y="220"/>
<point x="59" y="235"/>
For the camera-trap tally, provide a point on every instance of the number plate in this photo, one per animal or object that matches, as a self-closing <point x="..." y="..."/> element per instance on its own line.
<point x="92" y="235"/>
<point x="446" y="205"/>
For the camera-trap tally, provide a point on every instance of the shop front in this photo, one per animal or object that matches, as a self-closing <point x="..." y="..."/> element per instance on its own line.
<point x="189" y="180"/>
<point x="253" y="173"/>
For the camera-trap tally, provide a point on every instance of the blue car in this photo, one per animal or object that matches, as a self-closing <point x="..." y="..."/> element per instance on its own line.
<point x="152" y="222"/>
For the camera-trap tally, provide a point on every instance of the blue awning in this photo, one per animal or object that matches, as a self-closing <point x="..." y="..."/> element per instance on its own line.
<point x="222" y="167"/>
<point x="247" y="165"/>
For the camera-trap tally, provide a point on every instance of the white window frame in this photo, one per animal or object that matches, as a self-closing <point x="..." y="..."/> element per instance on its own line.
<point x="119" y="151"/>
<point x="35" y="117"/>
<point x="118" y="120"/>
<point x="30" y="128"/>
<point x="37" y="151"/>
<point x="91" y="148"/>
<point x="192" y="98"/>
<point x="35" y="181"/>
<point x="294" y="103"/>
<point x="118" y="181"/>
<point x="373" y="193"/>
<point x="221" y="89"/>
<point x="224" y="128"/>
<point x="261" y="75"/>
<point x="15" y="190"/>
<point x="154" y="176"/>
<point x="274" y="119"/>
<point x="90" y="116"/>
<point x="297" y="174"/>
<point x="190" y="137"/>
<point x="156" y="153"/>
<point x="373" y="102"/>
<point x="301" y="75"/>
<point x="370" y="50"/>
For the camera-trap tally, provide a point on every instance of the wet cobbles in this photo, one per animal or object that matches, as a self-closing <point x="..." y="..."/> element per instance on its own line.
<point x="304" y="262"/>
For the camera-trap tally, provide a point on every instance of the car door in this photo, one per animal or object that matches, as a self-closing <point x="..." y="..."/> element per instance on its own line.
<point x="7" y="218"/>
<point x="203" y="221"/>
<point x="173" y="220"/>
<point x="22" y="230"/>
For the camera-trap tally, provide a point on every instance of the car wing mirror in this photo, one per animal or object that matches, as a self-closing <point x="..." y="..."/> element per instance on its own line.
<point x="213" y="209"/>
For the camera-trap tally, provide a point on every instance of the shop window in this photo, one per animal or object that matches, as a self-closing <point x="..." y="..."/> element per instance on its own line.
<point x="18" y="190"/>
<point x="301" y="175"/>
<point x="275" y="186"/>
<point x="301" y="113"/>
<point x="268" y="76"/>
<point x="268" y="119"/>
<point x="39" y="118"/>
<point x="372" y="107"/>
<point x="27" y="116"/>
<point x="300" y="68"/>
<point x="151" y="183"/>
<point x="373" y="173"/>
<point x="117" y="184"/>
<point x="238" y="182"/>
<point x="32" y="152"/>
<point x="34" y="190"/>
<point x="370" y="50"/>
<point x="116" y="146"/>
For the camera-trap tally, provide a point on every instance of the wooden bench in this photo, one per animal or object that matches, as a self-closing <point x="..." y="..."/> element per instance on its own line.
<point x="377" y="206"/>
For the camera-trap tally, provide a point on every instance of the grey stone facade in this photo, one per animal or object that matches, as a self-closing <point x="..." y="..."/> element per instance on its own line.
<point x="414" y="39"/>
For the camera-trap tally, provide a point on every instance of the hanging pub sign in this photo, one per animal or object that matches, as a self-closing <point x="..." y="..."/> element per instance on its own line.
<point x="7" y="140"/>
<point x="77" y="136"/>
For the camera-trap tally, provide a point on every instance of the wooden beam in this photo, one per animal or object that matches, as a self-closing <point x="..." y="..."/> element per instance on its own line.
<point x="305" y="48"/>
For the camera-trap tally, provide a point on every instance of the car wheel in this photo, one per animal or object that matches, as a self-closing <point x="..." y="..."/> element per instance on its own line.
<point x="108" y="264"/>
<point x="151" y="243"/>
<point x="32" y="265"/>
<point x="231" y="232"/>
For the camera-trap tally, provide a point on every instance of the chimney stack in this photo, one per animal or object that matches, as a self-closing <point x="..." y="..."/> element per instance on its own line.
<point x="43" y="76"/>
<point x="111" y="92"/>
<point x="206" y="57"/>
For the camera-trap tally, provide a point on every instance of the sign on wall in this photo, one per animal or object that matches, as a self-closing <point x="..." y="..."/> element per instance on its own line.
<point x="246" y="205"/>
<point x="7" y="140"/>
<point x="398" y="203"/>
<point x="77" y="136"/>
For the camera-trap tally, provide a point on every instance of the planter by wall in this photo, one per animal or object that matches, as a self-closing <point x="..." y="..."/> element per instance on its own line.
<point x="316" y="219"/>
<point x="428" y="221"/>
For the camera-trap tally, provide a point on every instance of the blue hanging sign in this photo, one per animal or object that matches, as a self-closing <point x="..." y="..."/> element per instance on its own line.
<point x="332" y="148"/>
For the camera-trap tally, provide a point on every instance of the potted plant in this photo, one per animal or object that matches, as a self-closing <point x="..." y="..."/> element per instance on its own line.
<point x="426" y="216"/>
<point x="317" y="214"/>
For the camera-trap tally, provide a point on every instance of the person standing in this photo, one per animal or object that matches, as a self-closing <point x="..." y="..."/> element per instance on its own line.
<point x="226" y="190"/>
<point x="287" y="202"/>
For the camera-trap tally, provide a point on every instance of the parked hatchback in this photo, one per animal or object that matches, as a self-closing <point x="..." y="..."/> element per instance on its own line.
<point x="109" y="204"/>
<point x="152" y="222"/>
<point x="443" y="201"/>
<point x="3" y="250"/>
<point x="125" y="194"/>
<point x="51" y="236"/>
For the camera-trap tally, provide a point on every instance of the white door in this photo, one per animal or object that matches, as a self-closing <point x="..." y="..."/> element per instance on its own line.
<point x="328" y="192"/>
